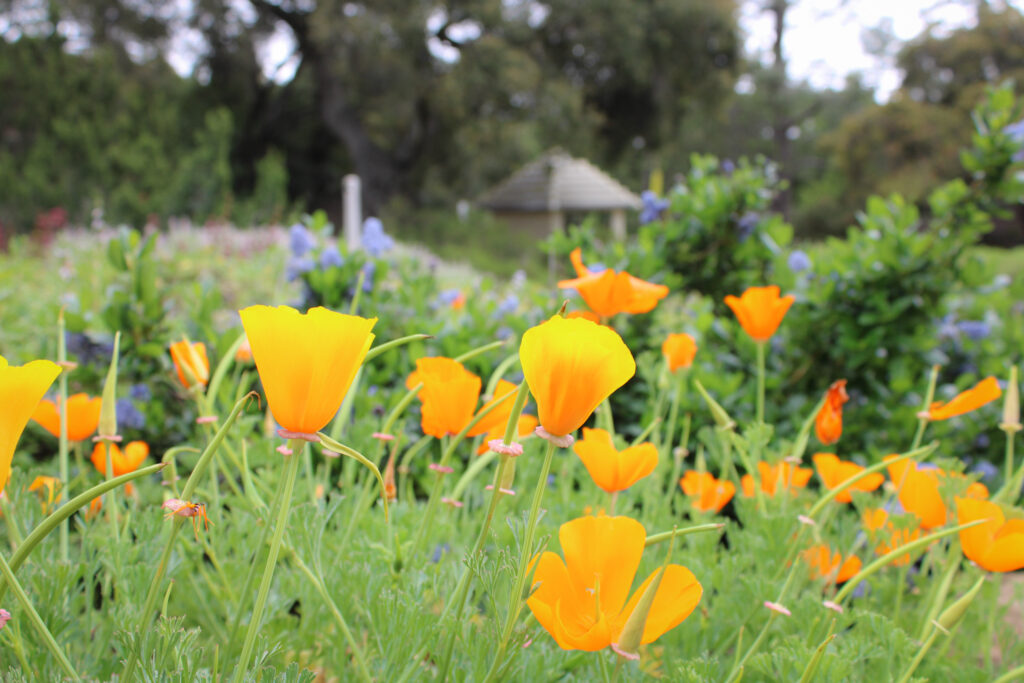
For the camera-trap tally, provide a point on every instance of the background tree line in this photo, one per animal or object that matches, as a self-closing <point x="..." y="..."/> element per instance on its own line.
<point x="433" y="102"/>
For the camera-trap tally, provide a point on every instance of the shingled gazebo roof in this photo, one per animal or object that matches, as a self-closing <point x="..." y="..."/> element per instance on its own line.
<point x="558" y="182"/>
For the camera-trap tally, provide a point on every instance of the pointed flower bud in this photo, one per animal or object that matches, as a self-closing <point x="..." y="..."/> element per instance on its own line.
<point x="108" y="409"/>
<point x="1011" y="405"/>
<point x="721" y="417"/>
<point x="952" y="615"/>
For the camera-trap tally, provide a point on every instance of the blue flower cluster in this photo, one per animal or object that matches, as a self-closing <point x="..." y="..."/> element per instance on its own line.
<point x="653" y="207"/>
<point x="1016" y="132"/>
<point x="375" y="240"/>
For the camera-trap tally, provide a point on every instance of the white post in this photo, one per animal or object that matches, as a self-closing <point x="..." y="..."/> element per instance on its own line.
<point x="619" y="225"/>
<point x="352" y="211"/>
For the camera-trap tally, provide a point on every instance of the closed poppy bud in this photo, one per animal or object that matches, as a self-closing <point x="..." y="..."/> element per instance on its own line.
<point x="83" y="413"/>
<point x="952" y="615"/>
<point x="191" y="363"/>
<point x="243" y="354"/>
<point x="108" y="408"/>
<point x="449" y="395"/>
<point x="985" y="391"/>
<point x="571" y="366"/>
<point x="760" y="310"/>
<point x="828" y="423"/>
<point x="122" y="461"/>
<point x="722" y="418"/>
<point x="21" y="388"/>
<point x="1011" y="404"/>
<point x="306" y="361"/>
<point x="609" y="292"/>
<point x="611" y="469"/>
<point x="679" y="350"/>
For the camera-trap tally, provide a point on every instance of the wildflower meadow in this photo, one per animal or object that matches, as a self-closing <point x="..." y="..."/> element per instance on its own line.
<point x="259" y="455"/>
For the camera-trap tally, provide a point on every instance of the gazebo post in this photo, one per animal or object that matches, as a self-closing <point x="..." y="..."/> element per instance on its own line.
<point x="618" y="221"/>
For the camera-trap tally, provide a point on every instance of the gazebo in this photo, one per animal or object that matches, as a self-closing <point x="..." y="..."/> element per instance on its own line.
<point x="536" y="198"/>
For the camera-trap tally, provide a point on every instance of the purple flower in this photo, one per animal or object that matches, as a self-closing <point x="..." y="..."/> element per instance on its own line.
<point x="128" y="415"/>
<point x="297" y="266"/>
<point x="375" y="240"/>
<point x="986" y="469"/>
<point x="974" y="329"/>
<point x="799" y="261"/>
<point x="1016" y="132"/>
<point x="447" y="297"/>
<point x="728" y="167"/>
<point x="507" y="306"/>
<point x="140" y="392"/>
<point x="369" y="269"/>
<point x="300" y="240"/>
<point x="653" y="207"/>
<point x="439" y="550"/>
<point x="746" y="225"/>
<point x="330" y="257"/>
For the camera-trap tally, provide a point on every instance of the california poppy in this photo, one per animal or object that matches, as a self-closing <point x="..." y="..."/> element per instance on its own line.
<point x="893" y="538"/>
<point x="21" y="389"/>
<point x="582" y="600"/>
<point x="828" y="423"/>
<point x="609" y="292"/>
<point x="83" y="416"/>
<point x="571" y="366"/>
<point x="760" y="310"/>
<point x="996" y="545"/>
<point x="47" y="488"/>
<point x="611" y="469"/>
<point x="834" y="472"/>
<point x="778" y="477"/>
<point x="918" y="490"/>
<point x="503" y="400"/>
<point x="825" y="565"/>
<point x="243" y="354"/>
<point x="586" y="315"/>
<point x="985" y="391"/>
<point x="306" y="361"/>
<point x="679" y="350"/>
<point x="191" y="363"/>
<point x="525" y="427"/>
<point x="449" y="395"/>
<point x="121" y="461"/>
<point x="708" y="494"/>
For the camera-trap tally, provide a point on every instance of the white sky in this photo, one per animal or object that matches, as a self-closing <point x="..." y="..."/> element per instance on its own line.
<point x="822" y="41"/>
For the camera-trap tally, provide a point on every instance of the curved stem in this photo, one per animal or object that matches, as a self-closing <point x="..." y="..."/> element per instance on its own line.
<point x="291" y="470"/>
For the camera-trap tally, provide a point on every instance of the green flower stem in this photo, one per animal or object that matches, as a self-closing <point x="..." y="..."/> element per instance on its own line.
<point x="525" y="555"/>
<point x="111" y="496"/>
<point x="291" y="470"/>
<point x="446" y="455"/>
<point x="13" y="532"/>
<point x="760" y="382"/>
<point x="62" y="452"/>
<point x="1010" y="675"/>
<point x="655" y="539"/>
<point x="37" y="622"/>
<point x="940" y="589"/>
<point x="318" y="583"/>
<point x="920" y="655"/>
<point x="922" y="422"/>
<point x="896" y="553"/>
<point x="673" y="412"/>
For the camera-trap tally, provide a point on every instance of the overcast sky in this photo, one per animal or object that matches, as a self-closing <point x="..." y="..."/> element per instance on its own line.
<point x="822" y="40"/>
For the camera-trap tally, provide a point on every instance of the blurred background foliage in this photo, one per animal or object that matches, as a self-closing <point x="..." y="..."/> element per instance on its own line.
<point x="95" y="122"/>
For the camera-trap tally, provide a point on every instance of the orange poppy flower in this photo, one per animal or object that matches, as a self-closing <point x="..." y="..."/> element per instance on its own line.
<point x="997" y="545"/>
<point x="21" y="389"/>
<point x="985" y="391"/>
<point x="760" y="310"/>
<point x="243" y="354"/>
<point x="834" y="472"/>
<point x="586" y="315"/>
<point x="824" y="565"/>
<point x="893" y="538"/>
<point x="83" y="416"/>
<point x="708" y="494"/>
<point x="777" y="477"/>
<point x="459" y="302"/>
<point x="525" y="427"/>
<point x="306" y="361"/>
<point x="679" y="350"/>
<point x="571" y="366"/>
<point x="611" y="469"/>
<point x="828" y="424"/>
<point x="918" y="491"/>
<point x="504" y="399"/>
<point x="449" y="395"/>
<point x="47" y="488"/>
<point x="121" y="461"/>
<point x="610" y="292"/>
<point x="582" y="600"/>
<point x="191" y="363"/>
<point x="875" y="518"/>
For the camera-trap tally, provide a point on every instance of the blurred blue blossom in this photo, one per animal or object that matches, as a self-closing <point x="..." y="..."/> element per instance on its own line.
<point x="504" y="332"/>
<point x="439" y="550"/>
<point x="330" y="257"/>
<point x="507" y="306"/>
<point x="746" y="225"/>
<point x="301" y="240"/>
<point x="799" y="261"/>
<point x="140" y="392"/>
<point x="297" y="266"/>
<point x="728" y="167"/>
<point x="128" y="415"/>
<point x="369" y="270"/>
<point x="85" y="349"/>
<point x="1016" y="132"/>
<point x="982" y="441"/>
<point x="974" y="329"/>
<point x="375" y="240"/>
<point x="986" y="469"/>
<point x="447" y="297"/>
<point x="653" y="207"/>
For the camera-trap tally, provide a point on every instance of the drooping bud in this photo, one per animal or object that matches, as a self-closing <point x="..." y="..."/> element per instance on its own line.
<point x="952" y="615"/>
<point x="108" y="408"/>
<point x="721" y="417"/>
